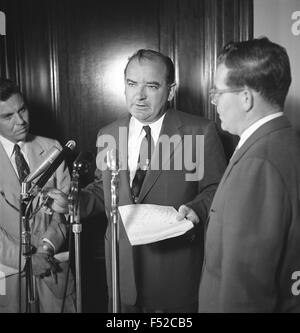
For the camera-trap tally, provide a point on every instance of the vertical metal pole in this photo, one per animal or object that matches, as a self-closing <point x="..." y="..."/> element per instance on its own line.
<point x="77" y="230"/>
<point x="26" y="246"/>
<point x="74" y="210"/>
<point x="114" y="240"/>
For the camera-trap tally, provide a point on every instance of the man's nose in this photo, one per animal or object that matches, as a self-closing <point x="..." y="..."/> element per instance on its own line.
<point x="141" y="94"/>
<point x="19" y="119"/>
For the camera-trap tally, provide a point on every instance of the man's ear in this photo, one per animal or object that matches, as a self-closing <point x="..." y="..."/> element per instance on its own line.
<point x="172" y="89"/>
<point x="247" y="98"/>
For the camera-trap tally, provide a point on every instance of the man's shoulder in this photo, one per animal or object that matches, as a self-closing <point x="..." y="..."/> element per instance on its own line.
<point x="114" y="126"/>
<point x="42" y="141"/>
<point x="190" y="118"/>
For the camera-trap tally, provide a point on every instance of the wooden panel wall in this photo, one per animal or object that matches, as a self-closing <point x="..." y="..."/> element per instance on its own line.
<point x="68" y="56"/>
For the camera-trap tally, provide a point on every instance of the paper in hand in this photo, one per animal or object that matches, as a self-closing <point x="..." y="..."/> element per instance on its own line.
<point x="145" y="223"/>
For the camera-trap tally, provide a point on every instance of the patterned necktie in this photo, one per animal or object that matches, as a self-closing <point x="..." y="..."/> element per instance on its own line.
<point x="22" y="166"/>
<point x="146" y="150"/>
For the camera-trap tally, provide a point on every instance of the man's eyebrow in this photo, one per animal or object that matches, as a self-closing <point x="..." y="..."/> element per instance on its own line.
<point x="129" y="80"/>
<point x="23" y="106"/>
<point x="154" y="83"/>
<point x="4" y="115"/>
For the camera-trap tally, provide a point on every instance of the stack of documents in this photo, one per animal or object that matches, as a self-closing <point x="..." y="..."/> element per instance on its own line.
<point x="146" y="223"/>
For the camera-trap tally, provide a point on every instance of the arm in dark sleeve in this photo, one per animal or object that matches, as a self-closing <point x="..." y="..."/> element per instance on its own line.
<point x="214" y="167"/>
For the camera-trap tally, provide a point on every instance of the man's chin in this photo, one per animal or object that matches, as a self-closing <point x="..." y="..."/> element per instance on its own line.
<point x="139" y="115"/>
<point x="21" y="136"/>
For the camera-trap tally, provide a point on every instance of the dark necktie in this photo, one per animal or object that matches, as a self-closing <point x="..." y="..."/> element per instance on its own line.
<point x="22" y="166"/>
<point x="146" y="150"/>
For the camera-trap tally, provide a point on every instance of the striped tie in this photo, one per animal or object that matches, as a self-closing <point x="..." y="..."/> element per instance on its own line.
<point x="22" y="166"/>
<point x="146" y="150"/>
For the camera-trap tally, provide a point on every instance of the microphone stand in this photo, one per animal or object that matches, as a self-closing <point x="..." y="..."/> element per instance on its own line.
<point x="114" y="231"/>
<point x="25" y="200"/>
<point x="74" y="212"/>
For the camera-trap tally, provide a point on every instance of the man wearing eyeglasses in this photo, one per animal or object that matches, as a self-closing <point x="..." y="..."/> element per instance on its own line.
<point x="253" y="236"/>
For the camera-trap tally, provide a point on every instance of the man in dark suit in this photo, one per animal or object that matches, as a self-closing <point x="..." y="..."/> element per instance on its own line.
<point x="161" y="276"/>
<point x="253" y="237"/>
<point x="21" y="153"/>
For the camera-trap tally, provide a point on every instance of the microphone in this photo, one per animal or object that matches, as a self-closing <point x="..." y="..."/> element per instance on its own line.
<point x="83" y="162"/>
<point x="70" y="145"/>
<point x="51" y="156"/>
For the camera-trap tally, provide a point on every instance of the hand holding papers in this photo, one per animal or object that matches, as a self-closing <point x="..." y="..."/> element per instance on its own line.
<point x="146" y="223"/>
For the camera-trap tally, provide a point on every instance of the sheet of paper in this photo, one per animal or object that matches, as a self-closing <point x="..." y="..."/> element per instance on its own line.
<point x="7" y="271"/>
<point x="145" y="223"/>
<point x="62" y="256"/>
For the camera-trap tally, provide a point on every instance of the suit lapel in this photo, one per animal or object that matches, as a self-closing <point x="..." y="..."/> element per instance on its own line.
<point x="35" y="153"/>
<point x="170" y="127"/>
<point x="9" y="181"/>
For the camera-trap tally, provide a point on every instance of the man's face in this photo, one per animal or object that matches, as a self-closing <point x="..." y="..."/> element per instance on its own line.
<point x="14" y="119"/>
<point x="228" y="104"/>
<point x="146" y="90"/>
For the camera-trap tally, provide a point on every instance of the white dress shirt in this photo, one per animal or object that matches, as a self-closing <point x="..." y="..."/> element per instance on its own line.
<point x="135" y="137"/>
<point x="9" y="149"/>
<point x="254" y="127"/>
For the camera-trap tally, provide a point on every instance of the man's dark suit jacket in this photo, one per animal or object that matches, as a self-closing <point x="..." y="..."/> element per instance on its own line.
<point x="253" y="237"/>
<point x="166" y="273"/>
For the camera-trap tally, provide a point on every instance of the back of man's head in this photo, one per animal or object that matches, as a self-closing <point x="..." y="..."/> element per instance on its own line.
<point x="152" y="55"/>
<point x="7" y="89"/>
<point x="260" y="65"/>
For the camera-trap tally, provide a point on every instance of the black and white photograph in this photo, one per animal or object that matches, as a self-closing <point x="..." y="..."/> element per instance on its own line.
<point x="149" y="159"/>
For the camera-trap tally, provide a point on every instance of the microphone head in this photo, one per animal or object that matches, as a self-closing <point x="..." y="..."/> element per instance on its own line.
<point x="71" y="144"/>
<point x="50" y="157"/>
<point x="83" y="162"/>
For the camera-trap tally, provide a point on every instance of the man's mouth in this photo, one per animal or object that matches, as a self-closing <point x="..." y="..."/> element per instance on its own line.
<point x="22" y="129"/>
<point x="141" y="106"/>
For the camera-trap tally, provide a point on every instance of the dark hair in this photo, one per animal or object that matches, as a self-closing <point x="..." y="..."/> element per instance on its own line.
<point x="7" y="89"/>
<point x="154" y="55"/>
<point x="259" y="64"/>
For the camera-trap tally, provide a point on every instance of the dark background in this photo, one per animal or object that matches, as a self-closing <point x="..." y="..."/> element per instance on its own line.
<point x="68" y="57"/>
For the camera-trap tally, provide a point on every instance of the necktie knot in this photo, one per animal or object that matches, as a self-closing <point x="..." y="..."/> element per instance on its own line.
<point x="147" y="130"/>
<point x="17" y="149"/>
<point x="21" y="164"/>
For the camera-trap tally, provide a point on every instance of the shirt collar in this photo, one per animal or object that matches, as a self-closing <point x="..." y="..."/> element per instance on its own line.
<point x="9" y="145"/>
<point x="136" y="127"/>
<point x="254" y="127"/>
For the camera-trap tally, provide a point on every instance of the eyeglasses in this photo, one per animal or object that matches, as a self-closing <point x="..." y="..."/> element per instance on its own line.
<point x="215" y="93"/>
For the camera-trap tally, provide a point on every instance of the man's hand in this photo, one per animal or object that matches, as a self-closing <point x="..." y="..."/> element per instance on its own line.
<point x="60" y="201"/>
<point x="43" y="264"/>
<point x="188" y="213"/>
